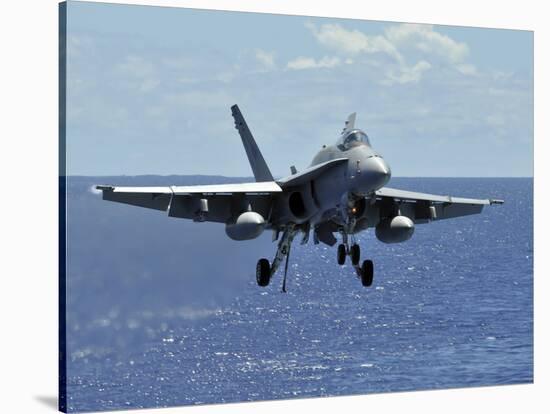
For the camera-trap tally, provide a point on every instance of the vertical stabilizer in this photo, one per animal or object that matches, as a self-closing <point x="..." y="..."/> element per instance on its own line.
<point x="350" y="123"/>
<point x="257" y="162"/>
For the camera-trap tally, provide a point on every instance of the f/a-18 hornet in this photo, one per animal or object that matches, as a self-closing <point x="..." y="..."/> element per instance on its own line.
<point x="342" y="192"/>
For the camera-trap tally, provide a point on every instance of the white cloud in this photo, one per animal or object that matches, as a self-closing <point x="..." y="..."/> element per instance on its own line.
<point x="402" y="42"/>
<point x="106" y="104"/>
<point x="352" y="42"/>
<point x="309" y="63"/>
<point x="76" y="44"/>
<point x="408" y="74"/>
<point x="138" y="73"/>
<point x="467" y="69"/>
<point x="266" y="59"/>
<point x="424" y="38"/>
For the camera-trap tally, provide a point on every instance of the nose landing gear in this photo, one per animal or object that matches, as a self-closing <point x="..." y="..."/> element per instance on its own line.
<point x="341" y="254"/>
<point x="355" y="253"/>
<point x="365" y="272"/>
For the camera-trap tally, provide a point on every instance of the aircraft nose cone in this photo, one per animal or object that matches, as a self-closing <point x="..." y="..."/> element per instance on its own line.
<point x="379" y="170"/>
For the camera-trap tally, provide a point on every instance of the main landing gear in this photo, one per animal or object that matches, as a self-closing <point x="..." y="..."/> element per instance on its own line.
<point x="265" y="271"/>
<point x="365" y="272"/>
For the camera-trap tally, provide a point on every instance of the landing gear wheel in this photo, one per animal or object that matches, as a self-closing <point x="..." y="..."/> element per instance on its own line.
<point x="341" y="254"/>
<point x="263" y="272"/>
<point x="355" y="253"/>
<point x="367" y="273"/>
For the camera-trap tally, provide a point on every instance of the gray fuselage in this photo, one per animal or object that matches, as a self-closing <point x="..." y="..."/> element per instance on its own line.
<point x="364" y="172"/>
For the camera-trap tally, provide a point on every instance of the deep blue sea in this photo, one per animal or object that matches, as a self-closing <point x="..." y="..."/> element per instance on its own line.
<point x="164" y="312"/>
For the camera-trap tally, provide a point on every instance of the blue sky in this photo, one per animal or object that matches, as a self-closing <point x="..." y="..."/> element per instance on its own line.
<point x="149" y="91"/>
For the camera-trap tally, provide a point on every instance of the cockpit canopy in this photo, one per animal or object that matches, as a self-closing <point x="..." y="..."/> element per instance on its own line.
<point x="353" y="138"/>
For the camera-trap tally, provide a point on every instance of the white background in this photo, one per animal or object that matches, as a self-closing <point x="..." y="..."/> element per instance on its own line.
<point x="28" y="179"/>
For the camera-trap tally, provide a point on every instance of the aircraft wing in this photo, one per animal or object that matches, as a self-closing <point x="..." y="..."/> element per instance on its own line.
<point x="423" y="207"/>
<point x="215" y="203"/>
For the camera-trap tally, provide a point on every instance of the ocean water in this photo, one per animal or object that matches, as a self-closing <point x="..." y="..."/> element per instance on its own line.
<point x="164" y="312"/>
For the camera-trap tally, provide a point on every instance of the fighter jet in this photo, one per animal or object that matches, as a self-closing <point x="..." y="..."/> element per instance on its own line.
<point x="342" y="192"/>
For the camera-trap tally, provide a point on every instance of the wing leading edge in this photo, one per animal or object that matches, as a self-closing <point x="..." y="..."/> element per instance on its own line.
<point x="216" y="203"/>
<point x="414" y="196"/>
<point x="423" y="207"/>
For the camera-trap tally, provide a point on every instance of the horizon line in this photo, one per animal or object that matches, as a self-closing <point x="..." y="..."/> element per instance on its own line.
<point x="251" y="177"/>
